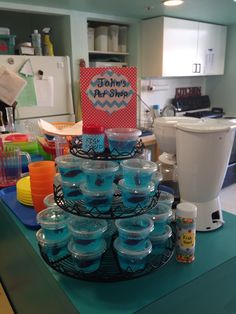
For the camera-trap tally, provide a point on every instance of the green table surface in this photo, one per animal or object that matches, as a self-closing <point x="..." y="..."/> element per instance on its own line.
<point x="174" y="286"/>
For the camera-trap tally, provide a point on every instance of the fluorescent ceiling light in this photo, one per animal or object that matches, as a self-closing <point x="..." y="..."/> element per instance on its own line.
<point x="172" y="2"/>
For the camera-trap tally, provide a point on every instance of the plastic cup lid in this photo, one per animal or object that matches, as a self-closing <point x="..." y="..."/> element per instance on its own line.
<point x="52" y="216"/>
<point x="135" y="253"/>
<point x="72" y="248"/>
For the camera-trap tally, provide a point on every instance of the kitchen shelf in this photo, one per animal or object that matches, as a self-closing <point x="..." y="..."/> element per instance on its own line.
<point x="96" y="52"/>
<point x="109" y="270"/>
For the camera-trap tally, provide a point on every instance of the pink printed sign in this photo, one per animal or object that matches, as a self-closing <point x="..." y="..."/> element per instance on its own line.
<point x="108" y="96"/>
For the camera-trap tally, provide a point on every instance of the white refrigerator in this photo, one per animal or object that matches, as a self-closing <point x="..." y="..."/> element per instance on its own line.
<point x="48" y="90"/>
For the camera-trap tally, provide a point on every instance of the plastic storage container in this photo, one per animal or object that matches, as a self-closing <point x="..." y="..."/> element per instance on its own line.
<point x="53" y="221"/>
<point x="133" y="232"/>
<point x="132" y="260"/>
<point x="87" y="233"/>
<point x="87" y="262"/>
<point x="101" y="38"/>
<point x="138" y="172"/>
<point x="123" y="39"/>
<point x="99" y="174"/>
<point x="113" y="35"/>
<point x="122" y="141"/>
<point x="91" y="32"/>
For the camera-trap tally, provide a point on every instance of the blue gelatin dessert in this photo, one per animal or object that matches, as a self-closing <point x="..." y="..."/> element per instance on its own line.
<point x="86" y="262"/>
<point x="98" y="202"/>
<point x="122" y="141"/>
<point x="132" y="260"/>
<point x="99" y="174"/>
<point x="138" y="197"/>
<point x="134" y="231"/>
<point x="70" y="168"/>
<point x="160" y="215"/>
<point x="159" y="241"/>
<point x="138" y="172"/>
<point x="87" y="233"/>
<point x="54" y="249"/>
<point x="53" y="221"/>
<point x="72" y="191"/>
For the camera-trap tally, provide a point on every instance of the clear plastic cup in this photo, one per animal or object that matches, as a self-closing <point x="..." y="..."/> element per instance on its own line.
<point x="49" y="200"/>
<point x="70" y="168"/>
<point x="160" y="240"/>
<point x="138" y="172"/>
<point x="87" y="262"/>
<point x="72" y="191"/>
<point x="132" y="260"/>
<point x="53" y="249"/>
<point x="97" y="201"/>
<point x="122" y="141"/>
<point x="53" y="221"/>
<point x="134" y="231"/>
<point x="160" y="215"/>
<point x="138" y="197"/>
<point x="87" y="233"/>
<point x="99" y="174"/>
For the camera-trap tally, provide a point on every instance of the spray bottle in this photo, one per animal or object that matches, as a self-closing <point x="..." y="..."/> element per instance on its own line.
<point x="47" y="44"/>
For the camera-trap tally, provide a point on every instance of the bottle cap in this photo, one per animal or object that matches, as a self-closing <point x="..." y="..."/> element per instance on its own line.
<point x="186" y="210"/>
<point x="93" y="129"/>
<point x="155" y="107"/>
<point x="36" y="31"/>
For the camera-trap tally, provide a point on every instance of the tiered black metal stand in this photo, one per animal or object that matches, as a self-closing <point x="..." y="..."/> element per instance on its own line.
<point x="109" y="269"/>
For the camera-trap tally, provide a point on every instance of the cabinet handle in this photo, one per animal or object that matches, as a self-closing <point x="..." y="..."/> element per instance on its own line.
<point x="194" y="68"/>
<point x="199" y="66"/>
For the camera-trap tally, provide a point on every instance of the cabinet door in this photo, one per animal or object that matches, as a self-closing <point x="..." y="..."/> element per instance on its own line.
<point x="211" y="49"/>
<point x="179" y="47"/>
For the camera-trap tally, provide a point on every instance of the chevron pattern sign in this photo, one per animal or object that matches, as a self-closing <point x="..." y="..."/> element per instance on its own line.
<point x="108" y="96"/>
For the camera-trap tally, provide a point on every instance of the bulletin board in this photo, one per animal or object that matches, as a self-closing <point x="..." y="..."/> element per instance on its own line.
<point x="108" y="96"/>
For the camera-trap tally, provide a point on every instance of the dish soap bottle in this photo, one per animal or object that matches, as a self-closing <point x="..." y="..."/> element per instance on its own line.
<point x="47" y="44"/>
<point x="36" y="42"/>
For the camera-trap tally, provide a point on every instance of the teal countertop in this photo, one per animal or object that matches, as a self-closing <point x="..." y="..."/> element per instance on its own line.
<point x="174" y="285"/>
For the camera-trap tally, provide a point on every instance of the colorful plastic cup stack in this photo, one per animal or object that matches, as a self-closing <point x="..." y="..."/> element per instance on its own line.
<point x="122" y="141"/>
<point x="41" y="180"/>
<point x="138" y="172"/>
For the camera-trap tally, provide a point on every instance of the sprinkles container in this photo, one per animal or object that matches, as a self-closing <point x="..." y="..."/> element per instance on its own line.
<point x="93" y="138"/>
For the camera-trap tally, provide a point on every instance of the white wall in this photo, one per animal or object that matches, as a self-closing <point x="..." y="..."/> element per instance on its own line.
<point x="165" y="90"/>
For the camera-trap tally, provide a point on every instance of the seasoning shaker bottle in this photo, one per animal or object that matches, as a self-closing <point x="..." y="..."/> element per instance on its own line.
<point x="93" y="138"/>
<point x="186" y="214"/>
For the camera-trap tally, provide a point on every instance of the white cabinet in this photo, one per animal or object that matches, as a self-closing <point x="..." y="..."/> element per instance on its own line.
<point x="176" y="47"/>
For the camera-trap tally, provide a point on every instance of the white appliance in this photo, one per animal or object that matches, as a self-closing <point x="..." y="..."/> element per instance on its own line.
<point x="202" y="149"/>
<point x="48" y="94"/>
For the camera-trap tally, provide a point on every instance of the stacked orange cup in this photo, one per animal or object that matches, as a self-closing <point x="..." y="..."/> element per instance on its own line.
<point x="41" y="180"/>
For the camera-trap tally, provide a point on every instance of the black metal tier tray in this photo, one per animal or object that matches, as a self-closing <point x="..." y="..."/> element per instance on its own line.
<point x="109" y="270"/>
<point x="75" y="145"/>
<point x="116" y="211"/>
